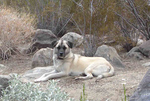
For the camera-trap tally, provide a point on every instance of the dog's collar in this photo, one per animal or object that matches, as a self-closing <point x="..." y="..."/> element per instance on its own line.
<point x="68" y="58"/>
<point x="73" y="56"/>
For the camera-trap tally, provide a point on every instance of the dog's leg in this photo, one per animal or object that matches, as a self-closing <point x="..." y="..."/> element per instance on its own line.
<point x="88" y="76"/>
<point x="44" y="75"/>
<point x="107" y="72"/>
<point x="99" y="77"/>
<point x="51" y="76"/>
<point x="88" y="73"/>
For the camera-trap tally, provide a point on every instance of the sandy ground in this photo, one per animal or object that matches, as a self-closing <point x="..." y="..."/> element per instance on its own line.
<point x="106" y="89"/>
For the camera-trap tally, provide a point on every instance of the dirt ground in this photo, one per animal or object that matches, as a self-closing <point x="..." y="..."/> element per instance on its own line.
<point x="106" y="89"/>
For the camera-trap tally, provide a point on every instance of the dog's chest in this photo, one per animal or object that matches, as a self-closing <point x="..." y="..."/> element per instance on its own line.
<point x="61" y="66"/>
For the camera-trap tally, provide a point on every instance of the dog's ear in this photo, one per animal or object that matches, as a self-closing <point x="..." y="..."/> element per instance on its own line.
<point x="70" y="44"/>
<point x="54" y="43"/>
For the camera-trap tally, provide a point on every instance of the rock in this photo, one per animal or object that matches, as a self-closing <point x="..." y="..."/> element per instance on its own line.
<point x="110" y="54"/>
<point x="139" y="42"/>
<point x="4" y="82"/>
<point x="135" y="53"/>
<point x="145" y="48"/>
<point x="2" y="66"/>
<point x="73" y="37"/>
<point x="35" y="73"/>
<point x="42" y="39"/>
<point x="143" y="91"/>
<point x="24" y="49"/>
<point x="42" y="57"/>
<point x="146" y="64"/>
<point x="119" y="48"/>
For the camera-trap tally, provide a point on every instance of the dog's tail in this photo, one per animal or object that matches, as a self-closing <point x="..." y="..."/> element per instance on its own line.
<point x="110" y="73"/>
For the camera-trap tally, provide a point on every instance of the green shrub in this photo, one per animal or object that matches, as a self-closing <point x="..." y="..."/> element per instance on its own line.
<point x="19" y="91"/>
<point x="125" y="96"/>
<point x="83" y="96"/>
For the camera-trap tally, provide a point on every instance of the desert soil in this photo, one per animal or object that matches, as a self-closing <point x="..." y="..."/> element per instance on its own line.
<point x="106" y="89"/>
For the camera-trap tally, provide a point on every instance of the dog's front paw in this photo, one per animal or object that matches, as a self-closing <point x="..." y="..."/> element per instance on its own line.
<point x="37" y="80"/>
<point x="77" y="78"/>
<point x="40" y="80"/>
<point x="80" y="78"/>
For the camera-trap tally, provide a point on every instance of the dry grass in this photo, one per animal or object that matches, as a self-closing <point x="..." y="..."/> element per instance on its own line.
<point x="15" y="29"/>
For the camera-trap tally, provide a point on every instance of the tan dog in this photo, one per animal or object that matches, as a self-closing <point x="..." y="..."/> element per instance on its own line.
<point x="66" y="63"/>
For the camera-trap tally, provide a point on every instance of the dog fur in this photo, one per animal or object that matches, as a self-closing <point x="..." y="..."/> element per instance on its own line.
<point x="66" y="63"/>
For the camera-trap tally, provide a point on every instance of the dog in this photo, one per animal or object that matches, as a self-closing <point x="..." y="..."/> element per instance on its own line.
<point x="66" y="63"/>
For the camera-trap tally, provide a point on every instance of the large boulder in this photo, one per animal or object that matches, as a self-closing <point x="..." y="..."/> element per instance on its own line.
<point x="42" y="57"/>
<point x="135" y="53"/>
<point x="110" y="54"/>
<point x="43" y="38"/>
<point x="4" y="82"/>
<point x="145" y="48"/>
<point x="2" y="66"/>
<point x="73" y="37"/>
<point x="143" y="91"/>
<point x="35" y="73"/>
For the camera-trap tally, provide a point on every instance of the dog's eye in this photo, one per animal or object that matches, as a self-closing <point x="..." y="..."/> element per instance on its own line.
<point x="58" y="47"/>
<point x="64" y="47"/>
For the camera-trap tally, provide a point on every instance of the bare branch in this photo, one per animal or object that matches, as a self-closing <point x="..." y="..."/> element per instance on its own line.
<point x="66" y="23"/>
<point x="131" y="24"/>
<point x="141" y="23"/>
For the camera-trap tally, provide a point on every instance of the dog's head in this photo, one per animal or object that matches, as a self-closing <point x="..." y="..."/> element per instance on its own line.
<point x="62" y="48"/>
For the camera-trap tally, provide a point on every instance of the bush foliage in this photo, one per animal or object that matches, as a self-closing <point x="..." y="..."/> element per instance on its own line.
<point x="52" y="13"/>
<point x="19" y="91"/>
<point x="134" y="21"/>
<point x="15" y="29"/>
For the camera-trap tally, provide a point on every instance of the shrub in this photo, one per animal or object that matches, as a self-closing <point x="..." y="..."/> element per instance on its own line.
<point x="47" y="12"/>
<point x="15" y="29"/>
<point x="134" y="21"/>
<point x="125" y="96"/>
<point x="18" y="91"/>
<point x="83" y="96"/>
<point x="92" y="17"/>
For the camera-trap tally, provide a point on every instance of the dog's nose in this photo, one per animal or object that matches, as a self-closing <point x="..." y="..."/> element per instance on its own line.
<point x="61" y="53"/>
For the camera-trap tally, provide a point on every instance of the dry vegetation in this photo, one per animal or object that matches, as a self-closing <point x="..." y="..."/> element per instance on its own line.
<point x="15" y="29"/>
<point x="119" y="19"/>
